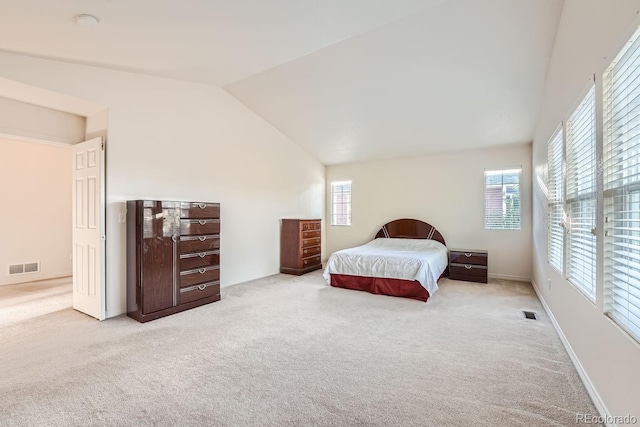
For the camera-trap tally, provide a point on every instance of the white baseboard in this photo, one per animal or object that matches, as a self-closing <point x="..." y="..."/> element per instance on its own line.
<point x="509" y="277"/>
<point x="35" y="277"/>
<point x="593" y="393"/>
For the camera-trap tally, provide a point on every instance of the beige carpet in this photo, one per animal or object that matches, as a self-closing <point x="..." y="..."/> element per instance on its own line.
<point x="27" y="300"/>
<point x="290" y="351"/>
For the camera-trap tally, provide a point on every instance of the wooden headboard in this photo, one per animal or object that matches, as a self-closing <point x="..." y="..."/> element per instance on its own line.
<point x="410" y="229"/>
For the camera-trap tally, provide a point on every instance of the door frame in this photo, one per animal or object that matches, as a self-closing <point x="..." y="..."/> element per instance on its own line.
<point x="102" y="204"/>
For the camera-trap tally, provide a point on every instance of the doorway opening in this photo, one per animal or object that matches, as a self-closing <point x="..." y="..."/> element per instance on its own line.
<point x="53" y="244"/>
<point x="49" y="122"/>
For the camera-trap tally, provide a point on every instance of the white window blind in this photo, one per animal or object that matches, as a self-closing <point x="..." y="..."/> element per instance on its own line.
<point x="581" y="196"/>
<point x="341" y="203"/>
<point x="621" y="96"/>
<point x="502" y="199"/>
<point x="555" y="186"/>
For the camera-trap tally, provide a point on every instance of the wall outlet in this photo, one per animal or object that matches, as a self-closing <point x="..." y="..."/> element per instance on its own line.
<point x="122" y="217"/>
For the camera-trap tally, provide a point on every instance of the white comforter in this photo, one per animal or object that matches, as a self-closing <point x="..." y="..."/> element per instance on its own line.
<point x="410" y="259"/>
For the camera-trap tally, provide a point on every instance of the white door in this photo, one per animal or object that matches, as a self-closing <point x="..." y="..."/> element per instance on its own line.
<point x="89" y="228"/>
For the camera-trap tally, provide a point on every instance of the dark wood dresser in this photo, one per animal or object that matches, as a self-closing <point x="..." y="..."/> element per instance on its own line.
<point x="469" y="265"/>
<point x="173" y="257"/>
<point x="300" y="246"/>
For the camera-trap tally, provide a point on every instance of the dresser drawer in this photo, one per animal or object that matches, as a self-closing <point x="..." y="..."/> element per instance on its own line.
<point x="308" y="262"/>
<point x="471" y="257"/>
<point x="310" y="234"/>
<point x="310" y="225"/>
<point x="306" y="252"/>
<point x="199" y="243"/>
<point x="204" y="290"/>
<point x="469" y="272"/>
<point x="199" y="210"/>
<point x="199" y="226"/>
<point x="164" y="204"/>
<point x="199" y="259"/>
<point x="310" y="242"/>
<point x="200" y="275"/>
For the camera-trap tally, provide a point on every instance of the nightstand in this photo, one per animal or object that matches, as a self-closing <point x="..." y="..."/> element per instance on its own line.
<point x="469" y="265"/>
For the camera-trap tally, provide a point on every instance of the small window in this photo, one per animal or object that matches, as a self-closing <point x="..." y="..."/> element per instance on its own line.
<point x="502" y="199"/>
<point x="341" y="203"/>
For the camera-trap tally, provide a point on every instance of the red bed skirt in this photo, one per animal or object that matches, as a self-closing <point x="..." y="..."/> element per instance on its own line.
<point x="381" y="286"/>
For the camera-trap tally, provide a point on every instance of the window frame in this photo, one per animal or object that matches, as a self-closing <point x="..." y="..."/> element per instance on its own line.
<point x="332" y="213"/>
<point x="503" y="224"/>
<point x="621" y="188"/>
<point x="555" y="200"/>
<point x="580" y="247"/>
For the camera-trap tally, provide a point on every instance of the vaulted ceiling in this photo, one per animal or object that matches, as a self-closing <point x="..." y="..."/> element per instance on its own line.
<point x="349" y="80"/>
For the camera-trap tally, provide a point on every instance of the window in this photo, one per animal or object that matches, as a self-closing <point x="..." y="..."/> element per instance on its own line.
<point x="581" y="196"/>
<point x="556" y="201"/>
<point x="341" y="203"/>
<point x="502" y="199"/>
<point x="621" y="176"/>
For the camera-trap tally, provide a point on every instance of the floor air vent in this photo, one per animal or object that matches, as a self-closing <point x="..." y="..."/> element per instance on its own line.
<point x="530" y="315"/>
<point x="16" y="269"/>
<point x="29" y="267"/>
<point x="32" y="267"/>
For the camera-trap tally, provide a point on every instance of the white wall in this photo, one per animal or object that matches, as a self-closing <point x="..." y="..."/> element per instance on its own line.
<point x="181" y="141"/>
<point x="97" y="124"/>
<point x="28" y="120"/>
<point x="445" y="190"/>
<point x="35" y="221"/>
<point x="591" y="33"/>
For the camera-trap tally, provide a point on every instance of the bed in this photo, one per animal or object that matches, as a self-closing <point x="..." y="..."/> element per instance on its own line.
<point x="406" y="259"/>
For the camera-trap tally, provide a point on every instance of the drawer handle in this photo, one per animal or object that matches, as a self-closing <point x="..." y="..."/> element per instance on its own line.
<point x="202" y="205"/>
<point x="202" y="254"/>
<point x="202" y="238"/>
<point x="305" y="261"/>
<point x="202" y="270"/>
<point x="305" y="251"/>
<point x="202" y="222"/>
<point x="468" y="255"/>
<point x="202" y="287"/>
<point x="468" y="267"/>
